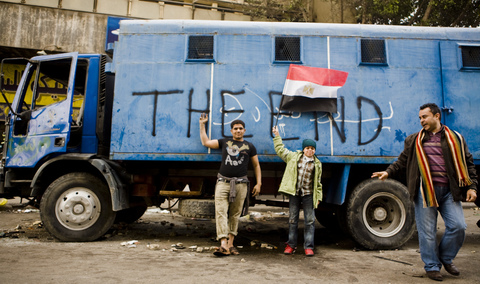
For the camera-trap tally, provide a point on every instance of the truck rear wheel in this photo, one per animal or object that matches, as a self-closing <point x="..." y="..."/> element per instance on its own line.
<point x="197" y="208"/>
<point x="380" y="214"/>
<point x="77" y="207"/>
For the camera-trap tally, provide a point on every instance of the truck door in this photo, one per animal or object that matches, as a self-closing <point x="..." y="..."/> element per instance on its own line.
<point x="460" y="73"/>
<point x="43" y="104"/>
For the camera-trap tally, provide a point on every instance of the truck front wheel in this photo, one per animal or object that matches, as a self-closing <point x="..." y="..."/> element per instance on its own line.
<point x="77" y="207"/>
<point x="380" y="214"/>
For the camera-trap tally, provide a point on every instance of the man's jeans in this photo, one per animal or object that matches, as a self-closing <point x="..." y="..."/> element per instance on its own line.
<point x="433" y="254"/>
<point x="227" y="214"/>
<point x="309" y="215"/>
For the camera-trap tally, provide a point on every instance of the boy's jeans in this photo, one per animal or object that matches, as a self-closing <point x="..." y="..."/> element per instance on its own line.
<point x="309" y="215"/>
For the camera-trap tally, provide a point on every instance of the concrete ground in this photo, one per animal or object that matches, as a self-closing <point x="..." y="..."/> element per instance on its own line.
<point x="166" y="247"/>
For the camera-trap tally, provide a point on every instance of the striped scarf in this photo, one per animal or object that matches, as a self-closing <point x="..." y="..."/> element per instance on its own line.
<point x="455" y="144"/>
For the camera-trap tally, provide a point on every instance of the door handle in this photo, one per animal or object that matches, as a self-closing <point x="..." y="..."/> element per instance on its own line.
<point x="59" y="142"/>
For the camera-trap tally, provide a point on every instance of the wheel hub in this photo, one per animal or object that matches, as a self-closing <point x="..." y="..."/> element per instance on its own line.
<point x="384" y="214"/>
<point x="78" y="208"/>
<point x="380" y="214"/>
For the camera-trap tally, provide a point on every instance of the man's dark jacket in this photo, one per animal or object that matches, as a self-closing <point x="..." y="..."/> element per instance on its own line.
<point x="406" y="166"/>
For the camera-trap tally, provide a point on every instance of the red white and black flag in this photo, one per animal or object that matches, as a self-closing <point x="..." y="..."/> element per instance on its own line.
<point x="312" y="89"/>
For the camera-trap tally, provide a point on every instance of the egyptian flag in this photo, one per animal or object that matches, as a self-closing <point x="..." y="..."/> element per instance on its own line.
<point x="311" y="89"/>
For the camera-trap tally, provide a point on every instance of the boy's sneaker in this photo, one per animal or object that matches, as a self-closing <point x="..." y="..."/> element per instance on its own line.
<point x="289" y="250"/>
<point x="309" y="252"/>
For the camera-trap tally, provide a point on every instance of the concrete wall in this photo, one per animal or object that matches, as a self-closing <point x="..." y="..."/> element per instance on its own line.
<point x="145" y="9"/>
<point x="74" y="25"/>
<point x="33" y="27"/>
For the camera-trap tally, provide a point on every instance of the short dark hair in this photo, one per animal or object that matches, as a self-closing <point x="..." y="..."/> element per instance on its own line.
<point x="237" y="121"/>
<point x="433" y="108"/>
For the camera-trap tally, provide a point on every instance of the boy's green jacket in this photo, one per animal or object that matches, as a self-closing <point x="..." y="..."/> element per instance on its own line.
<point x="289" y="181"/>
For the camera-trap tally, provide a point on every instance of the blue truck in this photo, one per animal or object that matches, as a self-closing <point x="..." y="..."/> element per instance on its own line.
<point x="121" y="133"/>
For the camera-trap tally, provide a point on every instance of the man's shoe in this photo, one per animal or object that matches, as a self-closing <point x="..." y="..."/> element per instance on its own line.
<point x="309" y="252"/>
<point x="452" y="269"/>
<point x="289" y="250"/>
<point x="435" y="275"/>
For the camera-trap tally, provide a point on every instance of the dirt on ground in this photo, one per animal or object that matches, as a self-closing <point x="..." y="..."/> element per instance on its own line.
<point x="164" y="247"/>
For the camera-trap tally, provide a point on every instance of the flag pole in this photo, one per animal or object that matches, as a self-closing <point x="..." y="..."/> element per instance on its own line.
<point x="330" y="117"/>
<point x="278" y="113"/>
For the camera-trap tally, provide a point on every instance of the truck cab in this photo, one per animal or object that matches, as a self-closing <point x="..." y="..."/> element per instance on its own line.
<point x="57" y="126"/>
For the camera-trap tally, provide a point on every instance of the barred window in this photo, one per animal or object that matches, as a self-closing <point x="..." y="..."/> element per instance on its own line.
<point x="470" y="56"/>
<point x="287" y="49"/>
<point x="200" y="47"/>
<point x="373" y="51"/>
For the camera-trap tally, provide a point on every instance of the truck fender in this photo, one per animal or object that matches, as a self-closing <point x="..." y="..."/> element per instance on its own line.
<point x="38" y="173"/>
<point x="118" y="190"/>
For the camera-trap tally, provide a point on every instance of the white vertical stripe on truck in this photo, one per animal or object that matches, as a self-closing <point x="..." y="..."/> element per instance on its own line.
<point x="330" y="117"/>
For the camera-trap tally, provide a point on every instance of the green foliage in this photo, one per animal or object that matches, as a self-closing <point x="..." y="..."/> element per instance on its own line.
<point x="391" y="12"/>
<point x="448" y="13"/>
<point x="454" y="13"/>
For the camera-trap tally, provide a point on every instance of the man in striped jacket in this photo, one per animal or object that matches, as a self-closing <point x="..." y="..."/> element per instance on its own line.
<point x="440" y="173"/>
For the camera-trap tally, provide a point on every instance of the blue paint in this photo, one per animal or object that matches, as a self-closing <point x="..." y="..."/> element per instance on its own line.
<point x="400" y="135"/>
<point x="377" y="105"/>
<point x="89" y="142"/>
<point x="151" y="56"/>
<point x="159" y="96"/>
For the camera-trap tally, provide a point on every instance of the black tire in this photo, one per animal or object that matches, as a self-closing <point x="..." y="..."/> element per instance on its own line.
<point x="77" y="207"/>
<point x="380" y="214"/>
<point x="197" y="208"/>
<point x="131" y="214"/>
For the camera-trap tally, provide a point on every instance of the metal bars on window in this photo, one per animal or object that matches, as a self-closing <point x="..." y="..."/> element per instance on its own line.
<point x="287" y="49"/>
<point x="373" y="51"/>
<point x="470" y="56"/>
<point x="200" y="48"/>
